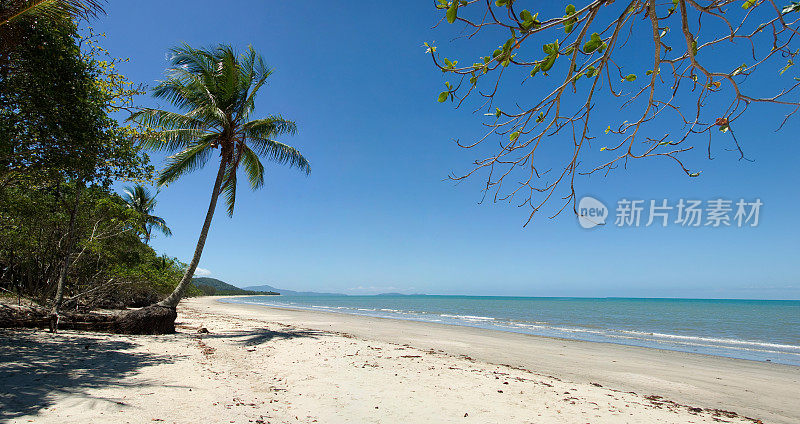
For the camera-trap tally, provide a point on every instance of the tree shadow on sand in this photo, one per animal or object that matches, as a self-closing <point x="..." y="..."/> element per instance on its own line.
<point x="264" y="335"/>
<point x="35" y="366"/>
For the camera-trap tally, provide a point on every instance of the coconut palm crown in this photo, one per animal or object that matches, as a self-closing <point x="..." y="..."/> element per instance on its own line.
<point x="215" y="91"/>
<point x="142" y="201"/>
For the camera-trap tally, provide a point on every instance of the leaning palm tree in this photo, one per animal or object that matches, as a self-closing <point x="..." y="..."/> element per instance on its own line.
<point x="142" y="201"/>
<point x="215" y="89"/>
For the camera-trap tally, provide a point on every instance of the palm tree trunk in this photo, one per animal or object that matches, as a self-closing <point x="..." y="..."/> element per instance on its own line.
<point x="172" y="300"/>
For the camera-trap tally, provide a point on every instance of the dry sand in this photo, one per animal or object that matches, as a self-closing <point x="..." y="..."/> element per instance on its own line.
<point x="270" y="365"/>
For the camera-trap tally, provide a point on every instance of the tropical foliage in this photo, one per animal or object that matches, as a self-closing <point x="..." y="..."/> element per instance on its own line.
<point x="14" y="10"/>
<point x="215" y="89"/>
<point x="143" y="202"/>
<point x="65" y="236"/>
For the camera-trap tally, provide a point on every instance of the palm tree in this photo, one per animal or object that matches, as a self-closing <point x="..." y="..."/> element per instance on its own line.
<point x="215" y="89"/>
<point x="142" y="201"/>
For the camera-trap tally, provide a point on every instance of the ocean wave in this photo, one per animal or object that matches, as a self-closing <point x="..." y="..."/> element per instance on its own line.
<point x="777" y="351"/>
<point x="715" y="340"/>
<point x="468" y="317"/>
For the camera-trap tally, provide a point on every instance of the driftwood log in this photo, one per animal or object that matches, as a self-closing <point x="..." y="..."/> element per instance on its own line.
<point x="152" y="319"/>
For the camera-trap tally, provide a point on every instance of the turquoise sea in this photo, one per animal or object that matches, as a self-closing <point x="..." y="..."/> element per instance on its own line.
<point x="762" y="330"/>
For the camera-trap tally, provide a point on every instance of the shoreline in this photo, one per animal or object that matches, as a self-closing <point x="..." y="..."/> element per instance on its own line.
<point x="533" y="334"/>
<point x="765" y="390"/>
<point x="243" y="363"/>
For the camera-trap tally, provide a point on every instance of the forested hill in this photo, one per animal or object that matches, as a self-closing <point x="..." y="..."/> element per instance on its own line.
<point x="215" y="287"/>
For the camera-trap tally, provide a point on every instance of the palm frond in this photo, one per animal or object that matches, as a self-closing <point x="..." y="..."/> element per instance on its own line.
<point x="194" y="61"/>
<point x="257" y="73"/>
<point x="269" y="127"/>
<point x="280" y="153"/>
<point x="168" y="131"/>
<point x="229" y="187"/>
<point x="51" y="9"/>
<point x="214" y="90"/>
<point x="165" y="119"/>
<point x="253" y="168"/>
<point x="159" y="223"/>
<point x="185" y="162"/>
<point x="139" y="199"/>
<point x="190" y="93"/>
<point x="171" y="140"/>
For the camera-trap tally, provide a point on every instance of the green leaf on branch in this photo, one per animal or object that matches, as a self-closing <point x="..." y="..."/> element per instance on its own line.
<point x="739" y="70"/>
<point x="528" y="20"/>
<point x="569" y="23"/>
<point x="536" y="69"/>
<point x="631" y="77"/>
<point x="789" y="64"/>
<point x="443" y="96"/>
<point x="450" y="64"/>
<point x="593" y="44"/>
<point x="794" y="7"/>
<point x="550" y="49"/>
<point x="509" y="44"/>
<point x="672" y="9"/>
<point x="548" y="63"/>
<point x="452" y="12"/>
<point x="514" y="136"/>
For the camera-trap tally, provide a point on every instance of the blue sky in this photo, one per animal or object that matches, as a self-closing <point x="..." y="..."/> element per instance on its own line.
<point x="377" y="214"/>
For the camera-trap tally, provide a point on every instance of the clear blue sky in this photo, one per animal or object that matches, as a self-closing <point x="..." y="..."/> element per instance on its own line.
<point x="377" y="215"/>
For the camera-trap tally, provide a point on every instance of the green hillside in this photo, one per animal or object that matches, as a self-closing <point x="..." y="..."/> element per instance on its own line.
<point x="215" y="287"/>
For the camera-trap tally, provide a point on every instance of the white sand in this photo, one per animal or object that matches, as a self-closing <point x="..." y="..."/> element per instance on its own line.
<point x="281" y="366"/>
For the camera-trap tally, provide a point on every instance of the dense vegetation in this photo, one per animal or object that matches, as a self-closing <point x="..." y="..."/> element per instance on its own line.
<point x="65" y="236"/>
<point x="68" y="241"/>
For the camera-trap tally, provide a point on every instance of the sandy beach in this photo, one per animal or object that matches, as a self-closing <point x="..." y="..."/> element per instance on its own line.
<point x="265" y="365"/>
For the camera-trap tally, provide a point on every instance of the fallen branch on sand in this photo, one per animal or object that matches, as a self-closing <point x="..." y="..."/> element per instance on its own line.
<point x="153" y="319"/>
